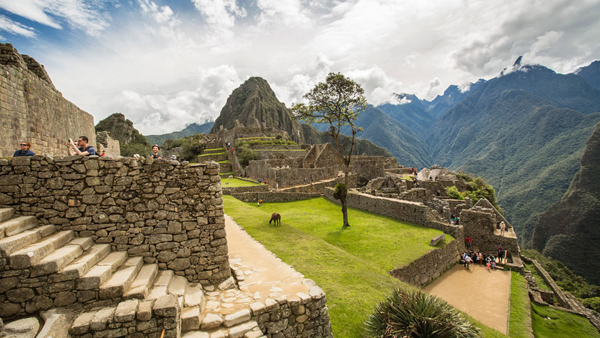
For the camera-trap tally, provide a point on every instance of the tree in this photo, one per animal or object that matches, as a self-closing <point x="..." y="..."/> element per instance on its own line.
<point x="338" y="101"/>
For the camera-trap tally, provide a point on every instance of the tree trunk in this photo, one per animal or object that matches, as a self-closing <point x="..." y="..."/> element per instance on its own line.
<point x="345" y="212"/>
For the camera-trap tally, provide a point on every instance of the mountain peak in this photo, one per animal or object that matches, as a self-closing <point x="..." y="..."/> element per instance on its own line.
<point x="254" y="104"/>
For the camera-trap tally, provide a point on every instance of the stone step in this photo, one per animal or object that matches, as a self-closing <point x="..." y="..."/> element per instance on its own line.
<point x="17" y="225"/>
<point x="190" y="319"/>
<point x="120" y="281"/>
<point x="178" y="286"/>
<point x="6" y="214"/>
<point x="99" y="273"/>
<point x="11" y="244"/>
<point x="83" y="264"/>
<point x="161" y="284"/>
<point x="236" y="318"/>
<point x="194" y="296"/>
<point x="58" y="259"/>
<point x="140" y="288"/>
<point x="240" y="330"/>
<point x="35" y="252"/>
<point x="213" y="150"/>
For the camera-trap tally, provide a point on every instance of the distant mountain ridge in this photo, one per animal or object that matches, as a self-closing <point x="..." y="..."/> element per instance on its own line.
<point x="191" y="129"/>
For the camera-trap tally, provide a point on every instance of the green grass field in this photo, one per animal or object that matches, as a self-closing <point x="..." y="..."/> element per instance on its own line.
<point x="222" y="153"/>
<point x="548" y="322"/>
<point x="519" y="321"/>
<point x="351" y="265"/>
<point x="234" y="183"/>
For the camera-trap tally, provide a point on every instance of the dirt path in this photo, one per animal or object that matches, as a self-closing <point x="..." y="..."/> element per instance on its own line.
<point x="481" y="294"/>
<point x="264" y="273"/>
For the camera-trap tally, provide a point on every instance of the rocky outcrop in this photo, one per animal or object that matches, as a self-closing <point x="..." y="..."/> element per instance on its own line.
<point x="569" y="230"/>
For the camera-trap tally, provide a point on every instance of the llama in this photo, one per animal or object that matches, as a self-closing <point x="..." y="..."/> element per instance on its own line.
<point x="276" y="218"/>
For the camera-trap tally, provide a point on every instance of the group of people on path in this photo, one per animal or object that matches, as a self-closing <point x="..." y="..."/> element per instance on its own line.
<point x="489" y="261"/>
<point x="454" y="219"/>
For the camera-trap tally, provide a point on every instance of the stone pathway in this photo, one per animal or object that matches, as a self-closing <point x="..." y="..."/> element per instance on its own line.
<point x="481" y="294"/>
<point x="259" y="272"/>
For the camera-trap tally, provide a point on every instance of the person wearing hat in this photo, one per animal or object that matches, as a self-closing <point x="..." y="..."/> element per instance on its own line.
<point x="24" y="151"/>
<point x="155" y="154"/>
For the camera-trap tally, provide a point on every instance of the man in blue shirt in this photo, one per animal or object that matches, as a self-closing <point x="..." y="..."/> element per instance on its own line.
<point x="24" y="150"/>
<point x="82" y="147"/>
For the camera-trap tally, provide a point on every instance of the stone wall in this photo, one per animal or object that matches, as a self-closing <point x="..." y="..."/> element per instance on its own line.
<point x="286" y="177"/>
<point x="168" y="213"/>
<point x="31" y="109"/>
<point x="132" y="318"/>
<point x="479" y="224"/>
<point x="399" y="209"/>
<point x="429" y="266"/>
<point x="306" y="316"/>
<point x="370" y="167"/>
<point x="233" y="190"/>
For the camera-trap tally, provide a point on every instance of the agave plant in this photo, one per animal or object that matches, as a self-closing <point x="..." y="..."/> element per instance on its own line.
<point x="415" y="314"/>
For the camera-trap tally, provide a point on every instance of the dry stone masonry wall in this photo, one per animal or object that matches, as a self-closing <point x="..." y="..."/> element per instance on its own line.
<point x="31" y="109"/>
<point x="165" y="212"/>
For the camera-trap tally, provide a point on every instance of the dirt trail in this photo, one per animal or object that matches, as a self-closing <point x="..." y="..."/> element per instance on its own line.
<point x="481" y="294"/>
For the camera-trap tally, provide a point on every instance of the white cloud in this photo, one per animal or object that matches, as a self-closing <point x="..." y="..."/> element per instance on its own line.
<point x="286" y="12"/>
<point x="10" y="26"/>
<point x="220" y="15"/>
<point x="78" y="14"/>
<point x="160" y="112"/>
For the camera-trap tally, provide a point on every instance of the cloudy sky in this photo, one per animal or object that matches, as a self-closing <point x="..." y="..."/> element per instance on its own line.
<point x="165" y="64"/>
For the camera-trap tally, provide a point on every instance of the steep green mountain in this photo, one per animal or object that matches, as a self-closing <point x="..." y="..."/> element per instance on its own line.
<point x="570" y="229"/>
<point x="255" y="101"/>
<point x="412" y="114"/>
<point x="120" y="128"/>
<point x="591" y="74"/>
<point x="191" y="129"/>
<point x="516" y="131"/>
<point x="378" y="127"/>
<point x="314" y="136"/>
<point x="452" y="95"/>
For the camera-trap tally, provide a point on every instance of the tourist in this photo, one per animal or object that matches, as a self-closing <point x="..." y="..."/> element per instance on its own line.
<point x="469" y="242"/>
<point x="103" y="153"/>
<point x="155" y="154"/>
<point x="502" y="228"/>
<point x="24" y="151"/>
<point x="501" y="253"/>
<point x="82" y="148"/>
<point x="468" y="261"/>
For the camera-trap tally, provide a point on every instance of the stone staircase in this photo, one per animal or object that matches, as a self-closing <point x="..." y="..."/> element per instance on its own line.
<point x="42" y="268"/>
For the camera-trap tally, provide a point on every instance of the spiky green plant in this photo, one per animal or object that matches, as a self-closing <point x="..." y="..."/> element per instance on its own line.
<point x="415" y="314"/>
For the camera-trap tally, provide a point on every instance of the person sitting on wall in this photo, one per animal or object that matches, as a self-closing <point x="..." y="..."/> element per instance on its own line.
<point x="103" y="153"/>
<point x="24" y="151"/>
<point x="155" y="154"/>
<point x="82" y="148"/>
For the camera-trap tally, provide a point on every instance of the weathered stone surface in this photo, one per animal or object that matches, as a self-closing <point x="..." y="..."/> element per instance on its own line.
<point x="102" y="318"/>
<point x="81" y="324"/>
<point x="22" y="328"/>
<point x="236" y="318"/>
<point x="56" y="323"/>
<point x="166" y="306"/>
<point x="179" y="264"/>
<point x="211" y="321"/>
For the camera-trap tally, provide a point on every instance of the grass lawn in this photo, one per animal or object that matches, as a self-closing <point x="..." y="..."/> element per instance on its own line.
<point x="221" y="153"/>
<point x="234" y="183"/>
<point x="548" y="322"/>
<point x="520" y="308"/>
<point x="350" y="265"/>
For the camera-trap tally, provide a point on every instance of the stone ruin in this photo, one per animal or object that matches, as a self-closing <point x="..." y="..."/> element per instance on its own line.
<point x="116" y="247"/>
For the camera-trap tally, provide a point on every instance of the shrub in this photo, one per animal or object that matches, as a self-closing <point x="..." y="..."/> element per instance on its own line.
<point x="454" y="193"/>
<point x="592" y="303"/>
<point x="246" y="154"/>
<point x="417" y="314"/>
<point x="340" y="192"/>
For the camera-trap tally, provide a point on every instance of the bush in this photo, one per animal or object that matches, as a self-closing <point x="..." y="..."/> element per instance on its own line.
<point x="592" y="303"/>
<point x="453" y="193"/>
<point x="417" y="314"/>
<point x="245" y="154"/>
